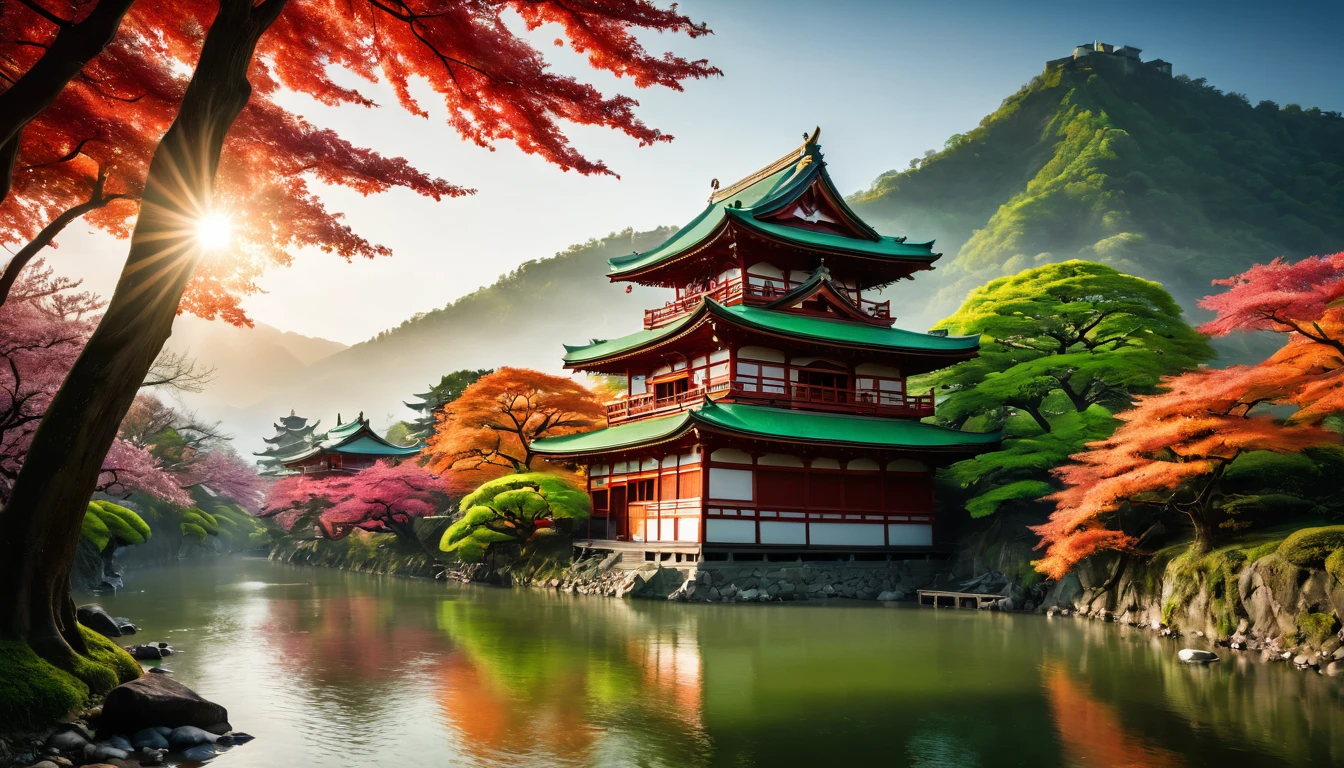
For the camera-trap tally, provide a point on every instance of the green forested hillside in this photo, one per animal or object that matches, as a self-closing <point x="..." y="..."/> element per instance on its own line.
<point x="1166" y="178"/>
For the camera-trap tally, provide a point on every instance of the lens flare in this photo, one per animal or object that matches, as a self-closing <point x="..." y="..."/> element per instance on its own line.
<point x="213" y="231"/>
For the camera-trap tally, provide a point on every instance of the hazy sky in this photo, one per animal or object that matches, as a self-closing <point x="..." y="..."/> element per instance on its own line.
<point x="884" y="80"/>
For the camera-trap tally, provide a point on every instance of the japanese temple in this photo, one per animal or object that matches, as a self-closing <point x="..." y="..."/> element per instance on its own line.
<point x="767" y="407"/>
<point x="347" y="447"/>
<point x="292" y="434"/>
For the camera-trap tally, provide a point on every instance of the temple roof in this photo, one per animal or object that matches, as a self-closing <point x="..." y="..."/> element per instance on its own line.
<point x="772" y="423"/>
<point x="768" y="191"/>
<point x="801" y="327"/>
<point x="353" y="438"/>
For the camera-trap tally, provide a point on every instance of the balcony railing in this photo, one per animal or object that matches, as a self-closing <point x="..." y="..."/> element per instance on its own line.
<point x="649" y="404"/>
<point x="776" y="392"/>
<point x="734" y="290"/>
<point x="839" y="399"/>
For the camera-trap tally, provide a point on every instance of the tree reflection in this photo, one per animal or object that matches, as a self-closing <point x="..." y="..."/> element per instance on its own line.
<point x="1091" y="732"/>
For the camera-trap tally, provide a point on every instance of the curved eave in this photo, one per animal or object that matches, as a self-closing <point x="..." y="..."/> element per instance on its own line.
<point x="623" y="437"/>
<point x="741" y="316"/>
<point x="818" y="173"/>
<point x="885" y="250"/>
<point x="794" y="427"/>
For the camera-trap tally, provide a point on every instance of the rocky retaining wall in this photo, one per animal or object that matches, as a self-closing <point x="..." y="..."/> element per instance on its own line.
<point x="1271" y="607"/>
<point x="737" y="582"/>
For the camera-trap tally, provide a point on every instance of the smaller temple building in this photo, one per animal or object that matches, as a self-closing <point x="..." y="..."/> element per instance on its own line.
<point x="347" y="447"/>
<point x="767" y="405"/>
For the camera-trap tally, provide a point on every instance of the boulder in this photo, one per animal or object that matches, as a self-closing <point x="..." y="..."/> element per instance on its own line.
<point x="147" y="756"/>
<point x="145" y="652"/>
<point x="66" y="741"/>
<point x="1196" y="656"/>
<point x="237" y="737"/>
<point x="124" y="624"/>
<point x="189" y="736"/>
<point x="102" y="753"/>
<point x="95" y="618"/>
<point x="891" y="595"/>
<point x="158" y="700"/>
<point x="748" y="594"/>
<point x="148" y="738"/>
<point x="118" y="742"/>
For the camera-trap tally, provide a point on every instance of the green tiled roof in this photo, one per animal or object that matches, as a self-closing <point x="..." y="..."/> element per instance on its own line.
<point x="836" y="332"/>
<point x="353" y="437"/>
<point x="776" y="424"/>
<point x="774" y="190"/>
<point x="642" y="432"/>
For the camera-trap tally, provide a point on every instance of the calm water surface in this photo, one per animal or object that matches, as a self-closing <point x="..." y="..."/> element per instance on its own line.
<point x="329" y="668"/>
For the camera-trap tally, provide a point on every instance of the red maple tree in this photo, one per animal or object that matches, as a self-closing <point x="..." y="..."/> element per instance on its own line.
<point x="493" y="83"/>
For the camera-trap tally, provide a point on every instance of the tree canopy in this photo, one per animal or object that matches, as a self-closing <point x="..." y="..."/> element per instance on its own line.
<point x="1066" y="345"/>
<point x="489" y="430"/>
<point x="512" y="511"/>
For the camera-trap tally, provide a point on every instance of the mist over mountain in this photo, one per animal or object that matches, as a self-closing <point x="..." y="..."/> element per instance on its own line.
<point x="1166" y="178"/>
<point x="522" y="319"/>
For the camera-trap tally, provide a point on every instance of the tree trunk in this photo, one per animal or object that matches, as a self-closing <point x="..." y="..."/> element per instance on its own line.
<point x="1079" y="401"/>
<point x="40" y="525"/>
<point x="73" y="47"/>
<point x="1035" y="410"/>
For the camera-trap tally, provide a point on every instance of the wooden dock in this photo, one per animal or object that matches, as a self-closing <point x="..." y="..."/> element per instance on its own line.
<point x="933" y="598"/>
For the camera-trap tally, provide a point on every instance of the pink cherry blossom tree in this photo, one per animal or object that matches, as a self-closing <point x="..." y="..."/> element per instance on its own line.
<point x="384" y="498"/>
<point x="43" y="327"/>
<point x="224" y="472"/>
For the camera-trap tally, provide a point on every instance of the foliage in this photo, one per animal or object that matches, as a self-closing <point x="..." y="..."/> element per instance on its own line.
<point x="1309" y="547"/>
<point x="383" y="498"/>
<point x="1165" y="178"/>
<point x="510" y="512"/>
<point x="489" y="430"/>
<point x="107" y="523"/>
<point x="1171" y="452"/>
<point x="1062" y="345"/>
<point x="506" y="92"/>
<point x="450" y="387"/>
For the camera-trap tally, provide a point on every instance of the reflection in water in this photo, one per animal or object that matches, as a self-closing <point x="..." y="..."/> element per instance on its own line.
<point x="1090" y="732"/>
<point x="338" y="669"/>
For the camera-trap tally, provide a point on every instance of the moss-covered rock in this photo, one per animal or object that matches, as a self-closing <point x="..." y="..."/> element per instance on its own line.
<point x="1317" y="627"/>
<point x="1309" y="547"/>
<point x="35" y="693"/>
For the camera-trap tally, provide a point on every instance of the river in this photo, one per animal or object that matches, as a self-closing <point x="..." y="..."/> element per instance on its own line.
<point x="329" y="668"/>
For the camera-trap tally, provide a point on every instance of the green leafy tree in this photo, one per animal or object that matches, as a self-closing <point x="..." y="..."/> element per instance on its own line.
<point x="431" y="403"/>
<point x="511" y="512"/>
<point x="1063" y="347"/>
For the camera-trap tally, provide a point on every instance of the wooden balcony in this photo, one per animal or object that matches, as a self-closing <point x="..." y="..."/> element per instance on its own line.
<point x="836" y="399"/>
<point x="777" y="393"/>
<point x="734" y="291"/>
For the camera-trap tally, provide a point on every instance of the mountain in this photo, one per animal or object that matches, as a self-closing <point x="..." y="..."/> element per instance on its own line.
<point x="250" y="365"/>
<point x="1167" y="178"/>
<point x="522" y="320"/>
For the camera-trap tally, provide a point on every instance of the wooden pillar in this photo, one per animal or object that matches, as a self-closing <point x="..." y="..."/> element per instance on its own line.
<point x="704" y="491"/>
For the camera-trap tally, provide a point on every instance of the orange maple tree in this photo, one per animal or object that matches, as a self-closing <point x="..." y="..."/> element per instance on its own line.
<point x="493" y="84"/>
<point x="1171" y="451"/>
<point x="489" y="430"/>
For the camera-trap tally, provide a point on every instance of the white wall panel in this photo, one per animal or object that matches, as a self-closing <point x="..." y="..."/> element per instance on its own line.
<point x="847" y="534"/>
<point x="731" y="531"/>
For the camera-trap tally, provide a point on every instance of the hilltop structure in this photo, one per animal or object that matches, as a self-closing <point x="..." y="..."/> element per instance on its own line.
<point x="347" y="447"/>
<point x="766" y="408"/>
<point x="1124" y="56"/>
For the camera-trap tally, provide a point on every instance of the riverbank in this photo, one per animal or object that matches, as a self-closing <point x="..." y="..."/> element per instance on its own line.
<point x="1278" y="593"/>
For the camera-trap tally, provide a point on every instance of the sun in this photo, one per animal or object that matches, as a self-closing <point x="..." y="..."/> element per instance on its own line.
<point x="213" y="231"/>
